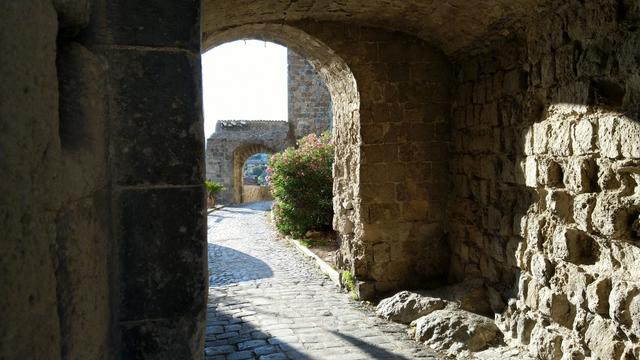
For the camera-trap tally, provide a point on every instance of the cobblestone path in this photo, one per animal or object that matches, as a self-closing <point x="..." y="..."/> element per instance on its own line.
<point x="267" y="301"/>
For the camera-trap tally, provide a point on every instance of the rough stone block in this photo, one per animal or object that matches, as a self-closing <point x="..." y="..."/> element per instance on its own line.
<point x="581" y="175"/>
<point x="583" y="138"/>
<point x="556" y="306"/>
<point x="524" y="328"/>
<point x="531" y="171"/>
<point x="405" y="306"/>
<point x="73" y="14"/>
<point x="550" y="173"/>
<point x="547" y="70"/>
<point x="454" y="331"/>
<point x="147" y="123"/>
<point x="607" y="178"/>
<point x="630" y="137"/>
<point x="574" y="284"/>
<point x="514" y="81"/>
<point x="575" y="246"/>
<point x="634" y="313"/>
<point x="541" y="268"/>
<point x="560" y="203"/>
<point x="163" y="253"/>
<point x="609" y="136"/>
<point x="178" y="338"/>
<point x="609" y="217"/>
<point x="560" y="138"/>
<point x="598" y="296"/>
<point x="535" y="236"/>
<point x="620" y="299"/>
<point x="545" y="343"/>
<point x="572" y="98"/>
<point x="540" y="137"/>
<point x="583" y="205"/>
<point x="528" y="142"/>
<point x="601" y="337"/>
<point x="152" y="23"/>
<point x="381" y="253"/>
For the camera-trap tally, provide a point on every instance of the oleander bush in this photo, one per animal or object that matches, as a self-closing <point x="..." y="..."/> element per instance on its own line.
<point x="301" y="183"/>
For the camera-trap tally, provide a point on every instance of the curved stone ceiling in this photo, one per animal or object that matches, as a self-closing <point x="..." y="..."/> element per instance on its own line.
<point x="457" y="26"/>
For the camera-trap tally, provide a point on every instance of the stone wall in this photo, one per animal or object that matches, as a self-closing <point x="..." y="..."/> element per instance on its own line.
<point x="546" y="157"/>
<point x="309" y="99"/>
<point x="54" y="273"/>
<point x="391" y="213"/>
<point x="253" y="193"/>
<point x="233" y="142"/>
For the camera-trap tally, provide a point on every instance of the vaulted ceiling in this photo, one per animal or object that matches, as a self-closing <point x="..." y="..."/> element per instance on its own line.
<point x="456" y="26"/>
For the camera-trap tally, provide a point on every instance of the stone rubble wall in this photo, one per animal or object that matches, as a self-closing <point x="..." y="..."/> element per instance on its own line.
<point x="309" y="99"/>
<point x="546" y="173"/>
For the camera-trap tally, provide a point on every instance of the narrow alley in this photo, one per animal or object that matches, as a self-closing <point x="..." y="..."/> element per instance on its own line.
<point x="267" y="301"/>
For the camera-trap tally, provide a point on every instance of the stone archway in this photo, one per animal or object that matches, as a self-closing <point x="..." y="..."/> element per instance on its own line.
<point x="345" y="99"/>
<point x="240" y="156"/>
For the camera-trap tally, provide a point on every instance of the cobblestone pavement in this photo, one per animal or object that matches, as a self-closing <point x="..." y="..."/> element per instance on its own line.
<point x="267" y="301"/>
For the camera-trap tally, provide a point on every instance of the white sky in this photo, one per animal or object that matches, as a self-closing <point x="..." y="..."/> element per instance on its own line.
<point x="244" y="80"/>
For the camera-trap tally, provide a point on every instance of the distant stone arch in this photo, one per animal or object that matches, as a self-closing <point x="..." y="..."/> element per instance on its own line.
<point x="233" y="142"/>
<point x="240" y="156"/>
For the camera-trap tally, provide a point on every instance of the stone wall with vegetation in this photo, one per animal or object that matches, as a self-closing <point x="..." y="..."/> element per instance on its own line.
<point x="546" y="173"/>
<point x="233" y="142"/>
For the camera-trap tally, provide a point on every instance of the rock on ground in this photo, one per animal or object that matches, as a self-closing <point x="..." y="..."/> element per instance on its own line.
<point x="456" y="331"/>
<point x="405" y="306"/>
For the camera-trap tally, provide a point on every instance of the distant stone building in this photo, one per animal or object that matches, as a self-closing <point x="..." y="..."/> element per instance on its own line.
<point x="309" y="98"/>
<point x="234" y="141"/>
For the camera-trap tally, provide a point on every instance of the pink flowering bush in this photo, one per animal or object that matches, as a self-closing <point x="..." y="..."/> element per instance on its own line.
<point x="301" y="183"/>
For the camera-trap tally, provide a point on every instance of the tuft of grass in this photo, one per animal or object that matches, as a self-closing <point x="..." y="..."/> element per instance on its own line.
<point x="306" y="243"/>
<point x="350" y="283"/>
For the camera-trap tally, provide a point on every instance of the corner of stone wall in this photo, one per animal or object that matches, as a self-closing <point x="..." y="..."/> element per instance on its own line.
<point x="545" y="204"/>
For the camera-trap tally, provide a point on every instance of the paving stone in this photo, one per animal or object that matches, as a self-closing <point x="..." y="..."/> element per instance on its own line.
<point x="240" y="355"/>
<point x="266" y="301"/>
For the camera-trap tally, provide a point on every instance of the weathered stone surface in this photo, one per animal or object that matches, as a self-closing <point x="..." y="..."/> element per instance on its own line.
<point x="405" y="306"/>
<point x="160" y="284"/>
<point x="310" y="107"/>
<point x="456" y="331"/>
<point x="148" y="123"/>
<point x="598" y="296"/>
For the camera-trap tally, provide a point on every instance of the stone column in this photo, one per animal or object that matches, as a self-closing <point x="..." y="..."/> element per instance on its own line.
<point x="156" y="161"/>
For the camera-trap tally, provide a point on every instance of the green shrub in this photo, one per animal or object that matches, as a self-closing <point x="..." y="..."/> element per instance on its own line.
<point x="301" y="183"/>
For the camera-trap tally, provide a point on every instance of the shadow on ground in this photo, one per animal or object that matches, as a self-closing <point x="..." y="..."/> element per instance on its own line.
<point x="229" y="266"/>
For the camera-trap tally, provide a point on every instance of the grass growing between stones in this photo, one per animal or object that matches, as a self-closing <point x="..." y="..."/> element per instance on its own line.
<point x="349" y="282"/>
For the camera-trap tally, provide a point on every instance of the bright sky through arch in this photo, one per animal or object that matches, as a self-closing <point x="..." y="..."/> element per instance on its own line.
<point x="244" y="80"/>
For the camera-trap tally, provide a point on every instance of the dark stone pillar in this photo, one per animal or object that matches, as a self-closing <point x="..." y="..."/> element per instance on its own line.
<point x="156" y="160"/>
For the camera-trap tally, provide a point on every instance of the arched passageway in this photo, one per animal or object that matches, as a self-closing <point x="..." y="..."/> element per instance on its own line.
<point x="463" y="110"/>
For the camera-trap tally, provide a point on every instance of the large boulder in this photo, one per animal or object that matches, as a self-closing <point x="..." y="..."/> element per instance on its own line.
<point x="405" y="306"/>
<point x="456" y="331"/>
